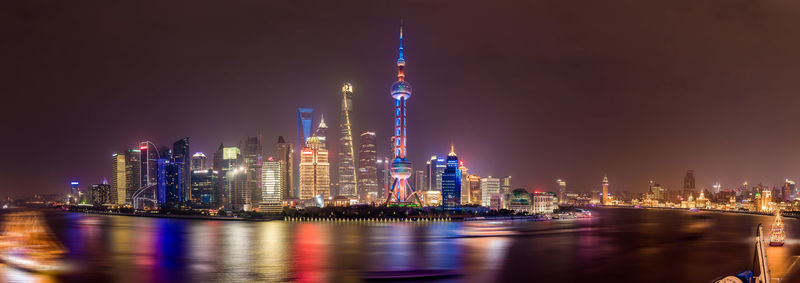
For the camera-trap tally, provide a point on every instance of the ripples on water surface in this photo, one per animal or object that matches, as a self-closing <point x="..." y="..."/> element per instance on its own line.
<point x="617" y="245"/>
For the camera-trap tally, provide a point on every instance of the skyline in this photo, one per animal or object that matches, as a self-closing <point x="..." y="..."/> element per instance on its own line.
<point x="642" y="112"/>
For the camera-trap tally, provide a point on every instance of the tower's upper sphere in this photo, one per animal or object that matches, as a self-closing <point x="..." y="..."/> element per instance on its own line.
<point x="401" y="89"/>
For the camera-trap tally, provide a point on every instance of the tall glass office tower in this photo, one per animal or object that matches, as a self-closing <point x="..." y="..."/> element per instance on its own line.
<point x="347" y="168"/>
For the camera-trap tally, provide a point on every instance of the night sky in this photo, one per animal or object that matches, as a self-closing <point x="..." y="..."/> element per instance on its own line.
<point x="539" y="90"/>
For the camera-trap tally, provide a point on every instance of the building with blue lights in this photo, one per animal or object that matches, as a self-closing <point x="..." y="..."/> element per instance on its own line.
<point x="451" y="182"/>
<point x="306" y="119"/>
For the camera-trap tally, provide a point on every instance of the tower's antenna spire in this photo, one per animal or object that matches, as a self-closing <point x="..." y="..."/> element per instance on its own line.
<point x="452" y="149"/>
<point x="401" y="60"/>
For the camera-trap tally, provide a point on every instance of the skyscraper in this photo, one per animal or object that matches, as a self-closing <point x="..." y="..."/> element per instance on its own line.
<point x="286" y="160"/>
<point x="465" y="195"/>
<point x="347" y="169"/>
<point x="606" y="199"/>
<point x="182" y="159"/>
<point x="401" y="191"/>
<point x="384" y="177"/>
<point x="199" y="161"/>
<point x="451" y="182"/>
<point x="322" y="132"/>
<point x="475" y="189"/>
<point x="490" y="186"/>
<point x="204" y="184"/>
<point x="505" y="185"/>
<point x="125" y="176"/>
<point x="688" y="184"/>
<point x="251" y="155"/>
<point x="271" y="176"/>
<point x="149" y="159"/>
<point x="101" y="194"/>
<point x="306" y="119"/>
<point x="433" y="173"/>
<point x="368" y="168"/>
<point x="314" y="170"/>
<point x="75" y="190"/>
<point x="562" y="188"/>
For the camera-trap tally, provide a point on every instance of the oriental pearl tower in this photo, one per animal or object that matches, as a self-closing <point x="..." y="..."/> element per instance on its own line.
<point x="401" y="193"/>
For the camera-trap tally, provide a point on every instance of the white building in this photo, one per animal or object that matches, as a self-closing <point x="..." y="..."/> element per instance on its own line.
<point x="270" y="186"/>
<point x="543" y="202"/>
<point x="489" y="186"/>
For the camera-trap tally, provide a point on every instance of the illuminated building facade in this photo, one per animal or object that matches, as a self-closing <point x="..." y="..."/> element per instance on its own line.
<point x="465" y="194"/>
<point x="401" y="192"/>
<point x="251" y="156"/>
<point x="562" y="188"/>
<point x="433" y="173"/>
<point x="306" y="119"/>
<point x="101" y="194"/>
<point x="489" y="186"/>
<point x="419" y="180"/>
<point x="505" y="185"/>
<point x="74" y="192"/>
<point x="125" y="176"/>
<point x="271" y="176"/>
<point x="286" y="160"/>
<point x="475" y="189"/>
<point x="451" y="182"/>
<point x="348" y="185"/>
<point x="543" y="202"/>
<point x="384" y="177"/>
<point x="314" y="171"/>
<point x="788" y="190"/>
<point x="149" y="156"/>
<point x="199" y="161"/>
<point x="181" y="158"/>
<point x="204" y="184"/>
<point x="368" y="168"/>
<point x="519" y="200"/>
<point x="605" y="197"/>
<point x="228" y="163"/>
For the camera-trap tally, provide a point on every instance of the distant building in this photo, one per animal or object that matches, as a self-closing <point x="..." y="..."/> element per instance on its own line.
<point x="204" y="184"/>
<point x="101" y="194"/>
<point x="432" y="198"/>
<point x="182" y="159"/>
<point x="322" y="132"/>
<point x="286" y="160"/>
<point x="306" y="119"/>
<point x="788" y="190"/>
<point x="347" y="183"/>
<point x="384" y="177"/>
<point x="251" y="155"/>
<point x="505" y="185"/>
<point x="74" y="192"/>
<point x="489" y="186"/>
<point x="199" y="161"/>
<point x="562" y="189"/>
<point x="475" y="196"/>
<point x="148" y="159"/>
<point x="688" y="184"/>
<point x="369" y="191"/>
<point x="314" y="171"/>
<point x="465" y="192"/>
<point x="497" y="201"/>
<point x="605" y="197"/>
<point x="125" y="176"/>
<point x="543" y="202"/>
<point x="433" y="173"/>
<point x="658" y="192"/>
<point x="271" y="186"/>
<point x="519" y="200"/>
<point x="228" y="163"/>
<point x="451" y="182"/>
<point x="419" y="180"/>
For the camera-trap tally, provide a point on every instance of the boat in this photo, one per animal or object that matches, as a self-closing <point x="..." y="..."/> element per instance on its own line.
<point x="777" y="234"/>
<point x="27" y="243"/>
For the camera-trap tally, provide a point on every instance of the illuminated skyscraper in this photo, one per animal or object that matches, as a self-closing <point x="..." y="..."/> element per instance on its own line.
<point x="384" y="177"/>
<point x="419" y="180"/>
<point x="286" y="160"/>
<point x="74" y="192"/>
<point x="505" y="185"/>
<point x="125" y="176"/>
<point x="315" y="177"/>
<point x="474" y="189"/>
<point x="367" y="168"/>
<point x="347" y="170"/>
<point x="228" y="163"/>
<point x="204" y="184"/>
<point x="182" y="159"/>
<point x="251" y="155"/>
<point x="605" y="197"/>
<point x="490" y="187"/>
<point x="688" y="184"/>
<point x="433" y="173"/>
<point x="322" y="132"/>
<point x="271" y="186"/>
<point x="101" y="194"/>
<point x="306" y="119"/>
<point x="199" y="161"/>
<point x="465" y="195"/>
<point x="401" y="191"/>
<point x="562" y="188"/>
<point x="149" y="161"/>
<point x="451" y="182"/>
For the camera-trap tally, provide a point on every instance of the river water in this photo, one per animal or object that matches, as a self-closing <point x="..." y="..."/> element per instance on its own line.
<point x="615" y="245"/>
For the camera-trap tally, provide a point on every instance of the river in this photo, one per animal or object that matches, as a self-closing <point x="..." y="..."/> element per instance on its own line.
<point x="615" y="245"/>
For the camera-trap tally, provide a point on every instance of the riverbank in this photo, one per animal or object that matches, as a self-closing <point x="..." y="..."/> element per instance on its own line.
<point x="177" y="216"/>
<point x="789" y="214"/>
